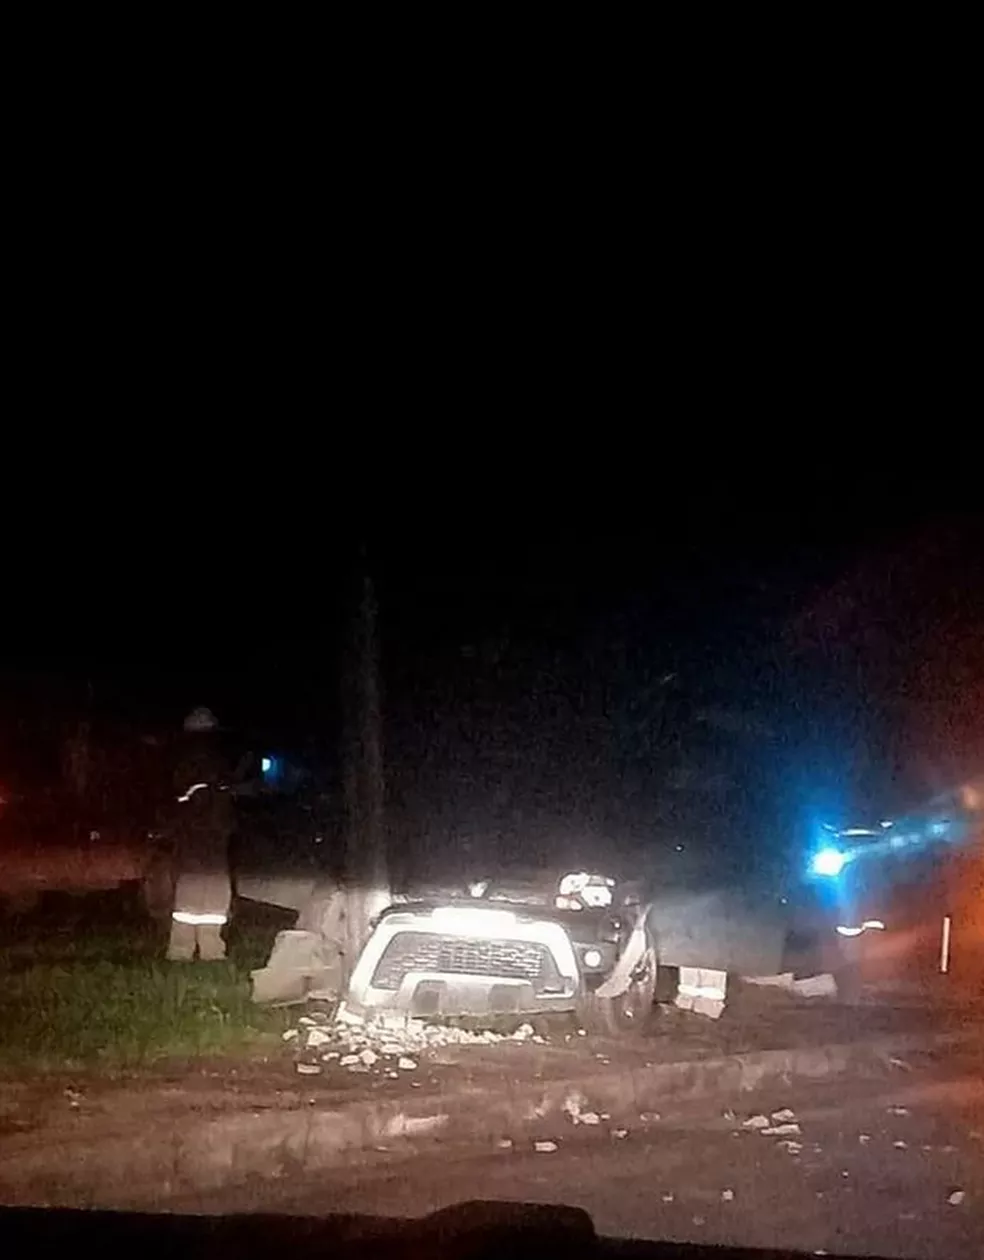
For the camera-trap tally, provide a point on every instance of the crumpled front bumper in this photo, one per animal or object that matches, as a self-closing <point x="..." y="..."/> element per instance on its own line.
<point x="476" y="938"/>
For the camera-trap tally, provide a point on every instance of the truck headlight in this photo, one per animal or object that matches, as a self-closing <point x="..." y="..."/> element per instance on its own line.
<point x="592" y="958"/>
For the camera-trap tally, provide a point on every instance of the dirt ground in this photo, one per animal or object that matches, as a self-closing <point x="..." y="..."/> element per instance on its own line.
<point x="897" y="1173"/>
<point x="264" y="1077"/>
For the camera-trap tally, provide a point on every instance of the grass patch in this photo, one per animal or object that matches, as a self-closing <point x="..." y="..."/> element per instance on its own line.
<point x="98" y="994"/>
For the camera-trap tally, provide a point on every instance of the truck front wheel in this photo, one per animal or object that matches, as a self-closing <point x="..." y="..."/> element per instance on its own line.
<point x="631" y="1012"/>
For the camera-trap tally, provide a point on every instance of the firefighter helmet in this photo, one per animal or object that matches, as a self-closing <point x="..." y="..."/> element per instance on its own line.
<point x="201" y="719"/>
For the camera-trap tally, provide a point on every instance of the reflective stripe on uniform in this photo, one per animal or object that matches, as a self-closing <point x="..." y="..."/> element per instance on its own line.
<point x="199" y="920"/>
<point x="195" y="787"/>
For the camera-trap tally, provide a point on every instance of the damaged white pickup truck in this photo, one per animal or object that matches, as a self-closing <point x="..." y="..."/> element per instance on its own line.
<point x="527" y="945"/>
<point x="534" y="944"/>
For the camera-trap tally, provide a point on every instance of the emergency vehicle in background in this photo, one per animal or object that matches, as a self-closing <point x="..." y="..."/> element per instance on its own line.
<point x="906" y="895"/>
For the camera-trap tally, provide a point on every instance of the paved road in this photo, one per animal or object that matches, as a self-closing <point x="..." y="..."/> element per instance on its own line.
<point x="867" y="1179"/>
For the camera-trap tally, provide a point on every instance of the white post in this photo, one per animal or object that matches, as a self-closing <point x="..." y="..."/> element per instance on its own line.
<point x="945" y="945"/>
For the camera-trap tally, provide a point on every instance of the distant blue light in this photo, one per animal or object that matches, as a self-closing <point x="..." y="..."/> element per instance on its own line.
<point x="829" y="862"/>
<point x="266" y="764"/>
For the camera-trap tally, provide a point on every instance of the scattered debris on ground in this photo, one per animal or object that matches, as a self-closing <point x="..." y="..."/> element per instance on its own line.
<point x="574" y="1108"/>
<point x="385" y="1043"/>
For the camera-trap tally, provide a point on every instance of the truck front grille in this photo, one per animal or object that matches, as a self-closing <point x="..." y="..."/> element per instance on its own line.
<point x="465" y="955"/>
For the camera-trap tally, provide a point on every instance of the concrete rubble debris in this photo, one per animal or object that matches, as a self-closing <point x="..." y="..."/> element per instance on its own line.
<point x="545" y="1148"/>
<point x="728" y="1195"/>
<point x="756" y="1122"/>
<point x="361" y="1044"/>
<point x="414" y="1126"/>
<point x="788" y="1144"/>
<point x="667" y="1197"/>
<point x="647" y="1117"/>
<point x="702" y="990"/>
<point x="784" y="1116"/>
<point x="573" y="1106"/>
<point x="956" y="1197"/>
<point x="308" y="1069"/>
<point x="822" y="986"/>
<point x="898" y="1111"/>
<point x="782" y="981"/>
<point x="620" y="1133"/>
<point x="780" y="1130"/>
<point x="901" y="1146"/>
<point x="819" y="986"/>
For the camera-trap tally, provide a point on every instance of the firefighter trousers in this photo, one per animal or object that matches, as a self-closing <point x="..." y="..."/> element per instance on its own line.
<point x="201" y="909"/>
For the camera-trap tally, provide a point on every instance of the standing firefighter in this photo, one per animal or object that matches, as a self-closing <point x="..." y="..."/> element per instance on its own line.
<point x="203" y="889"/>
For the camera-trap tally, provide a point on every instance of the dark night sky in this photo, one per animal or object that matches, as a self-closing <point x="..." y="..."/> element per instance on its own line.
<point x="709" y="671"/>
<point x="722" y="674"/>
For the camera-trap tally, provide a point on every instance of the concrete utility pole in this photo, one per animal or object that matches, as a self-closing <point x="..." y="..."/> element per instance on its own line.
<point x="335" y="921"/>
<point x="366" y="874"/>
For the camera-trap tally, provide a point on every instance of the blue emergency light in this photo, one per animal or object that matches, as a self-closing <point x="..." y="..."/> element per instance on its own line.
<point x="828" y="862"/>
